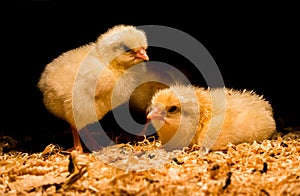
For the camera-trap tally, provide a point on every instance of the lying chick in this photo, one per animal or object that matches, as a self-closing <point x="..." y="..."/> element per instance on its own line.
<point x="77" y="86"/>
<point x="188" y="115"/>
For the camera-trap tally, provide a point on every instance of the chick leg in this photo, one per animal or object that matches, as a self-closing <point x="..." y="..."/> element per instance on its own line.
<point x="76" y="139"/>
<point x="88" y="137"/>
<point x="144" y="130"/>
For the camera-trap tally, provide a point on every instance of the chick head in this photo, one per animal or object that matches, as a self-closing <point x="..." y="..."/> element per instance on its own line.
<point x="123" y="46"/>
<point x="174" y="113"/>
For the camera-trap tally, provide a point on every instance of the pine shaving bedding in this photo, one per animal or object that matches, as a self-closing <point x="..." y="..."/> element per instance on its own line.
<point x="268" y="168"/>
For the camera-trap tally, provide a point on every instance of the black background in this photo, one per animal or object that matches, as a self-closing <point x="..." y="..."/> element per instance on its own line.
<point x="255" y="46"/>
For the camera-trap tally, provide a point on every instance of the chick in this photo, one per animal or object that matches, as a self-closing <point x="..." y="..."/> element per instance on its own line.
<point x="77" y="86"/>
<point x="187" y="115"/>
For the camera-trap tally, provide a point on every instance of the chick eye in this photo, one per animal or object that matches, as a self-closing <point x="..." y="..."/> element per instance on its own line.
<point x="125" y="47"/>
<point x="172" y="109"/>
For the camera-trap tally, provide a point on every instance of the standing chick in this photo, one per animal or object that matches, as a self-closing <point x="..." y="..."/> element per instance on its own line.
<point x="77" y="86"/>
<point x="187" y="115"/>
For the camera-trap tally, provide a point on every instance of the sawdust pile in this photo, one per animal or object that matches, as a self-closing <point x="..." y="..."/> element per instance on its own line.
<point x="269" y="168"/>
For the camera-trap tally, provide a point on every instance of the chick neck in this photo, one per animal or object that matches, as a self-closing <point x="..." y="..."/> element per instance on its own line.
<point x="116" y="66"/>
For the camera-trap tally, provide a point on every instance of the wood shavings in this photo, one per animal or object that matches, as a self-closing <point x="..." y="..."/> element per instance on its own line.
<point x="136" y="158"/>
<point x="7" y="143"/>
<point x="271" y="167"/>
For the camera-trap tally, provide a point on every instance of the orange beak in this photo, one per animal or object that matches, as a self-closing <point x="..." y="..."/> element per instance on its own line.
<point x="156" y="114"/>
<point x="142" y="54"/>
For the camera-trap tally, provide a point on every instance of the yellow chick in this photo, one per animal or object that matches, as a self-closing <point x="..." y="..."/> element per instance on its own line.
<point x="184" y="115"/>
<point x="78" y="85"/>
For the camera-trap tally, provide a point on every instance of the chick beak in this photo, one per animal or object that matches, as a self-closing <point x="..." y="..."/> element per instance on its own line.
<point x="156" y="114"/>
<point x="142" y="54"/>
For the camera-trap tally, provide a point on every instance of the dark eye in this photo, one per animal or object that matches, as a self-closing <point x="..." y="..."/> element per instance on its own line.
<point x="125" y="47"/>
<point x="172" y="109"/>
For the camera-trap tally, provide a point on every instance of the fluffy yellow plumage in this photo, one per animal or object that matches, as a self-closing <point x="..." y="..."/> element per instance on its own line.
<point x="77" y="86"/>
<point x="187" y="115"/>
